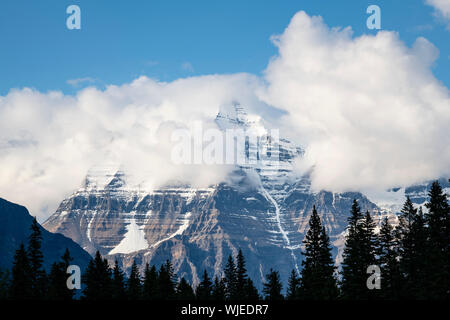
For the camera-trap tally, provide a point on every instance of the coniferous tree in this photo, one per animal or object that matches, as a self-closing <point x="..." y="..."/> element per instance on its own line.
<point x="273" y="287"/>
<point x="241" y="277"/>
<point x="150" y="286"/>
<point x="387" y="251"/>
<point x="251" y="293"/>
<point x="118" y="290"/>
<point x="293" y="288"/>
<point x="97" y="279"/>
<point x="57" y="279"/>
<point x="204" y="289"/>
<point x="438" y="257"/>
<point x="317" y="276"/>
<point x="184" y="291"/>
<point x="166" y="281"/>
<point x="421" y="245"/>
<point x="230" y="279"/>
<point x="411" y="236"/>
<point x="356" y="256"/>
<point x="218" y="290"/>
<point x="134" y="283"/>
<point x="56" y="282"/>
<point x="406" y="248"/>
<point x="369" y="248"/>
<point x="330" y="289"/>
<point x="38" y="275"/>
<point x="404" y="230"/>
<point x="21" y="283"/>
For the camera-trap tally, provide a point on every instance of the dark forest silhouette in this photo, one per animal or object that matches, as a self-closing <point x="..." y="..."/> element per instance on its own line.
<point x="413" y="258"/>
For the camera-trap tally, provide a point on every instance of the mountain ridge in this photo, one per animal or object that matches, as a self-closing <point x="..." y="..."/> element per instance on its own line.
<point x="262" y="211"/>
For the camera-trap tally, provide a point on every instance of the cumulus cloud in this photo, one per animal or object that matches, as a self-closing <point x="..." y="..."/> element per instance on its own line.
<point x="368" y="108"/>
<point x="442" y="9"/>
<point x="48" y="141"/>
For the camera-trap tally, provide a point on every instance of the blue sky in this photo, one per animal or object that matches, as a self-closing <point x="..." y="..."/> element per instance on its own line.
<point x="166" y="40"/>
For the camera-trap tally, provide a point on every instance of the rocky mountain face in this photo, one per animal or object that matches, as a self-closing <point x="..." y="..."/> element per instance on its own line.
<point x="264" y="212"/>
<point x="15" y="223"/>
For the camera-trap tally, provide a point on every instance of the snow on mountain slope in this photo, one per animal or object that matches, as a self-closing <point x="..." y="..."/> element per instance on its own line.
<point x="264" y="211"/>
<point x="134" y="239"/>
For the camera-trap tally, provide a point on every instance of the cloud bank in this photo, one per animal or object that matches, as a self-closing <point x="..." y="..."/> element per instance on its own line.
<point x="442" y="9"/>
<point x="368" y="110"/>
<point x="48" y="141"/>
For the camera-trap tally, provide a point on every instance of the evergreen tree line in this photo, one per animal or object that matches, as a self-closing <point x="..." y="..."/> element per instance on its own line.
<point x="413" y="258"/>
<point x="105" y="283"/>
<point x="28" y="279"/>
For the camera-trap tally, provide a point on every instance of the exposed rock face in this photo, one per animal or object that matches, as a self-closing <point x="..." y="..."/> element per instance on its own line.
<point x="264" y="212"/>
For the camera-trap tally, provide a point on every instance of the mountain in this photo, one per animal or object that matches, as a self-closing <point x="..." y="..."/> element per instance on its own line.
<point x="15" y="223"/>
<point x="264" y="211"/>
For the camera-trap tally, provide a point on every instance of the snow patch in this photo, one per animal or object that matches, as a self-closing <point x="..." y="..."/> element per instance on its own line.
<point x="181" y="229"/>
<point x="134" y="240"/>
<point x="280" y="227"/>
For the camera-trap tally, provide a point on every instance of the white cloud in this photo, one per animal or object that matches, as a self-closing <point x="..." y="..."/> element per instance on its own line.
<point x="368" y="108"/>
<point x="80" y="81"/>
<point x="49" y="141"/>
<point x="442" y="9"/>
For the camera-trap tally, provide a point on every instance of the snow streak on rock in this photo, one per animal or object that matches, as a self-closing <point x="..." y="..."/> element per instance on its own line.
<point x="280" y="227"/>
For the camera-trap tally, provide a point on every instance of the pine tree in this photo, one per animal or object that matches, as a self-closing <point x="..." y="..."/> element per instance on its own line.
<point x="57" y="279"/>
<point x="390" y="268"/>
<point x="406" y="248"/>
<point x="38" y="275"/>
<point x="231" y="279"/>
<point x="273" y="287"/>
<point x="118" y="290"/>
<point x="403" y="231"/>
<point x="184" y="291"/>
<point x="412" y="243"/>
<point x="218" y="290"/>
<point x="370" y="241"/>
<point x="421" y="249"/>
<point x="317" y="276"/>
<point x="150" y="287"/>
<point x="293" y="288"/>
<point x="65" y="263"/>
<point x="97" y="279"/>
<point x="241" y="277"/>
<point x="359" y="253"/>
<point x="438" y="262"/>
<point x="21" y="283"/>
<point x="134" y="283"/>
<point x="166" y="281"/>
<point x="251" y="293"/>
<point x="204" y="289"/>
<point x="330" y="289"/>
<point x="56" y="282"/>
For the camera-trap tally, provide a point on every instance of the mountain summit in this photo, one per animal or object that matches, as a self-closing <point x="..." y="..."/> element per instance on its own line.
<point x="264" y="211"/>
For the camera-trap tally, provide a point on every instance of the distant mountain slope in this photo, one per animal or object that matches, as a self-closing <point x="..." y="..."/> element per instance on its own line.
<point x="15" y="222"/>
